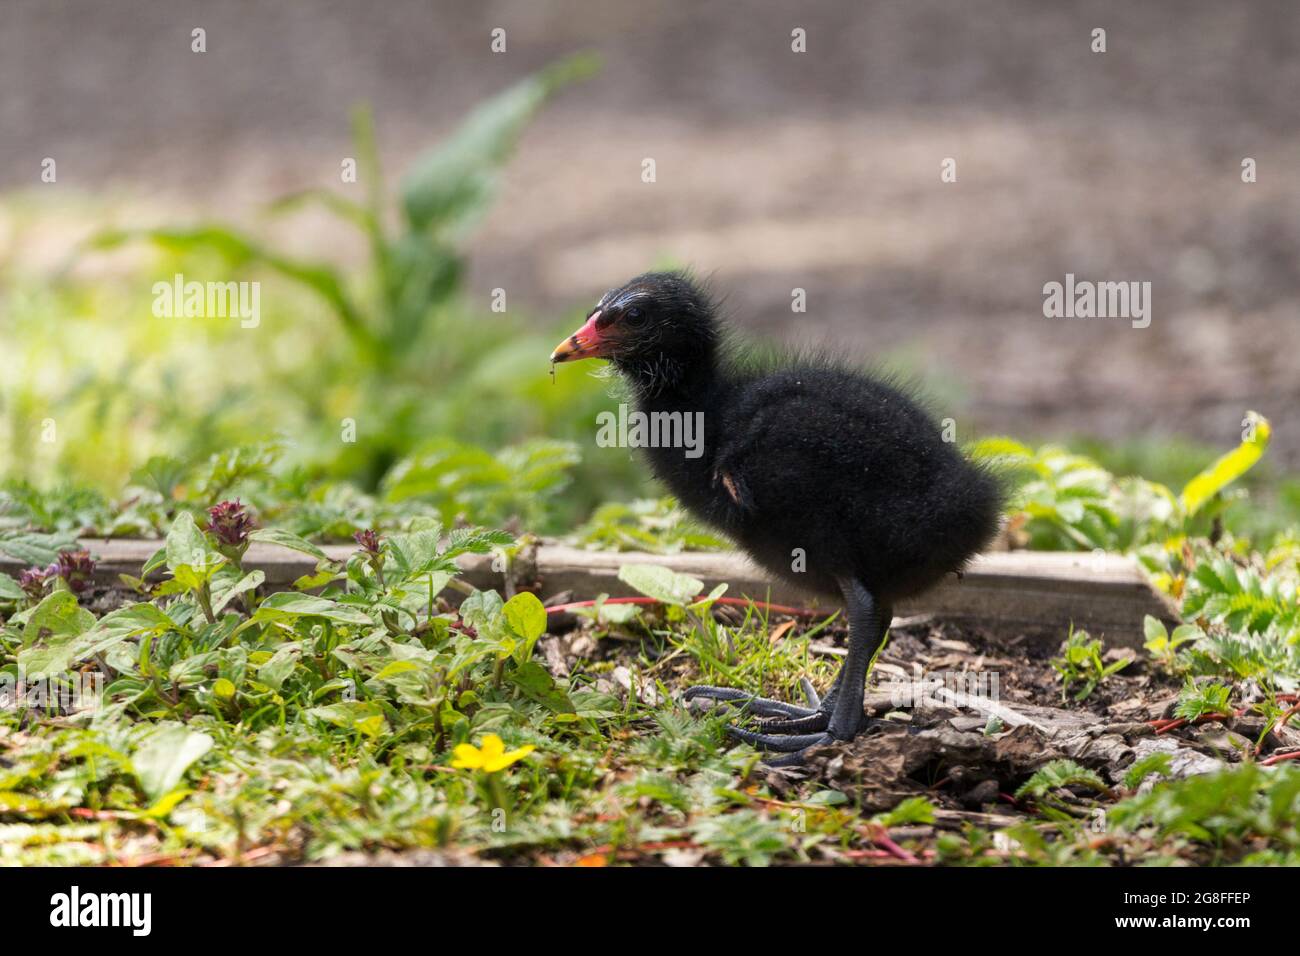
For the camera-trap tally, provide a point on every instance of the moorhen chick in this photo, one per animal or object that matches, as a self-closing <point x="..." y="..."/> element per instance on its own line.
<point x="830" y="479"/>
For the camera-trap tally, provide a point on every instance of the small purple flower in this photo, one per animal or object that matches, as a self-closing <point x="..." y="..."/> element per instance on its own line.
<point x="230" y="523"/>
<point x="32" y="581"/>
<point x="369" y="541"/>
<point x="77" y="568"/>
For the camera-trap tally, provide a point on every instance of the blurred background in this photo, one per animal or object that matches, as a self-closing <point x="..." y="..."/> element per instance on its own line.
<point x="775" y="170"/>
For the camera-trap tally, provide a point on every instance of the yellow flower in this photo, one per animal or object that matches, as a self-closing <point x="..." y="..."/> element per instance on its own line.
<point x="491" y="757"/>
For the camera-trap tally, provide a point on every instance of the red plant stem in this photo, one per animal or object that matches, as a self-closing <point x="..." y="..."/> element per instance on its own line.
<point x="734" y="602"/>
<point x="1278" y="758"/>
<point x="1165" y="725"/>
<point x="880" y="837"/>
<point x="1282" y="721"/>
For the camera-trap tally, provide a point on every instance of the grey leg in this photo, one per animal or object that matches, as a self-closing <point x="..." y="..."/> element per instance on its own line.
<point x="839" y="716"/>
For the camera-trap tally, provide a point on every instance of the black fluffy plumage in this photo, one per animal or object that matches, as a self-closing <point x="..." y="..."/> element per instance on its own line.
<point x="830" y="478"/>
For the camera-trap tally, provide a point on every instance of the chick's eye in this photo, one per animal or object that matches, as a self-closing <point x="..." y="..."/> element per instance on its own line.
<point x="634" y="316"/>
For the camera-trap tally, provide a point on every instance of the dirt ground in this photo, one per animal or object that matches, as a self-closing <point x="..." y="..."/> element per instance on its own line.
<point x="775" y="170"/>
<point x="934" y="689"/>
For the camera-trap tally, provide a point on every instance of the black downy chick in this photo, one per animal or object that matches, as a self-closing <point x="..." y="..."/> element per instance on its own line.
<point x="830" y="479"/>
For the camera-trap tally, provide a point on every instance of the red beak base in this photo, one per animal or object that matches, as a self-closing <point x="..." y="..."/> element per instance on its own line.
<point x="584" y="343"/>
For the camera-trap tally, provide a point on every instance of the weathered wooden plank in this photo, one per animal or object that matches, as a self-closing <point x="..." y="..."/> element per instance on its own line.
<point x="1031" y="592"/>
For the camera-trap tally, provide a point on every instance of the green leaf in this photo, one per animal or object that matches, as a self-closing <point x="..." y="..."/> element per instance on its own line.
<point x="348" y="714"/>
<point x="238" y="250"/>
<point x="1158" y="762"/>
<point x="288" y="604"/>
<point x="1228" y="468"/>
<point x="911" y="811"/>
<point x="704" y="603"/>
<point x="60" y="651"/>
<point x="163" y="474"/>
<point x="34" y="548"/>
<point x="323" y="575"/>
<point x="158" y="560"/>
<point x="187" y="546"/>
<point x="660" y="583"/>
<point x="1056" y="774"/>
<point x="373" y="726"/>
<point x="477" y="540"/>
<point x="396" y="668"/>
<point x="605" y="612"/>
<point x="9" y="589"/>
<point x="161" y="761"/>
<point x="280" y="666"/>
<point x="248" y="582"/>
<point x="536" y="684"/>
<point x="340" y="206"/>
<point x="287" y="539"/>
<point x="449" y="186"/>
<point x="415" y="552"/>
<point x="526" y="616"/>
<point x="58" y="615"/>
<point x="1153" y="629"/>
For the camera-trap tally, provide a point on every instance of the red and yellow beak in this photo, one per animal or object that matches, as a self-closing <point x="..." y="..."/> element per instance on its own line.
<point x="587" y="342"/>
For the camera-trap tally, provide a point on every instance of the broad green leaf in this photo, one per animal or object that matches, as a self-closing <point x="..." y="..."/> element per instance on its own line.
<point x="9" y="589"/>
<point x="248" y="582"/>
<point x="189" y="577"/>
<point x="287" y="604"/>
<point x="535" y="683"/>
<point x="58" y="615"/>
<point x="280" y="666"/>
<point x="347" y="714"/>
<point x="322" y="576"/>
<point x="1228" y="468"/>
<point x="186" y="544"/>
<point x="394" y="668"/>
<point x="287" y="539"/>
<point x="608" y="612"/>
<point x="526" y="615"/>
<point x="482" y="609"/>
<point x="35" y="548"/>
<point x="57" y="654"/>
<point x="162" y="759"/>
<point x="660" y="583"/>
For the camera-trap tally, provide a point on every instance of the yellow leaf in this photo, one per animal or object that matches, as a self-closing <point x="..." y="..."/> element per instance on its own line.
<point x="1228" y="468"/>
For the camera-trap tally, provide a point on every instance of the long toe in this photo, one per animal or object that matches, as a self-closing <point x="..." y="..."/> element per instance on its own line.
<point x="819" y="720"/>
<point x="796" y="759"/>
<point x="782" y="743"/>
<point x="748" y="703"/>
